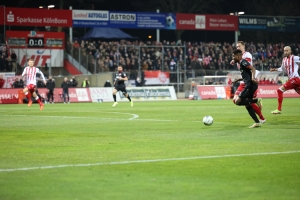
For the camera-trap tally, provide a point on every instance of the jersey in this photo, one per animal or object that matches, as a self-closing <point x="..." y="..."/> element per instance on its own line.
<point x="246" y="56"/>
<point x="246" y="72"/>
<point x="120" y="75"/>
<point x="30" y="73"/>
<point x="290" y="65"/>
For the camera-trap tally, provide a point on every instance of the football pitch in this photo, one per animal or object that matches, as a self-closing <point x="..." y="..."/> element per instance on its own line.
<point x="153" y="150"/>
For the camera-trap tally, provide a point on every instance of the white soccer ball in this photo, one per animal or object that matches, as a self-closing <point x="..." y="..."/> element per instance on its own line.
<point x="208" y="120"/>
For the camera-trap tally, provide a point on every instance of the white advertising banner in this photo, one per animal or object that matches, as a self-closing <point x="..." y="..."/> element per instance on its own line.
<point x="7" y="79"/>
<point x="55" y="57"/>
<point x="104" y="94"/>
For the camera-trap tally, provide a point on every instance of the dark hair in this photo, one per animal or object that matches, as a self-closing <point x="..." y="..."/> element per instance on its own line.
<point x="237" y="51"/>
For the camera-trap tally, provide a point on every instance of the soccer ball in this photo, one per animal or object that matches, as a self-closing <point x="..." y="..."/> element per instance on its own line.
<point x="208" y="120"/>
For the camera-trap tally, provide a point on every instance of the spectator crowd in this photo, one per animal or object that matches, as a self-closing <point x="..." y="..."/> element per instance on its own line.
<point x="212" y="58"/>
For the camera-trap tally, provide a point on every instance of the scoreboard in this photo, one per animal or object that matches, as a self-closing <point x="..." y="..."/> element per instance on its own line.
<point x="42" y="47"/>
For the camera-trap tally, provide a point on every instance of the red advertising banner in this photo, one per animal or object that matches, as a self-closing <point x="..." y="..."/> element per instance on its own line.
<point x="271" y="92"/>
<point x="10" y="96"/>
<point x="36" y="17"/>
<point x="264" y="91"/>
<point x="206" y="22"/>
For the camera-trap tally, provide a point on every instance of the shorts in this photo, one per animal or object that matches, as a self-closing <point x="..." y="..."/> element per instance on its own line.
<point x="293" y="83"/>
<point x="249" y="92"/>
<point x="240" y="89"/>
<point x="121" y="88"/>
<point x="31" y="88"/>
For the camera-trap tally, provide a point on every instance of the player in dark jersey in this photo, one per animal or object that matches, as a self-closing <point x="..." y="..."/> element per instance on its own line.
<point x="119" y="84"/>
<point x="246" y="97"/>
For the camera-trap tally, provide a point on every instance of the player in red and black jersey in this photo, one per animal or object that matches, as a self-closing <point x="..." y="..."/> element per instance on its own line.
<point x="246" y="97"/>
<point x="119" y="84"/>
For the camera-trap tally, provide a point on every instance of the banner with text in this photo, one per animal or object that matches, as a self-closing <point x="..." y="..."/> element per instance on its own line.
<point x="206" y="22"/>
<point x="7" y="79"/>
<point x="36" y="17"/>
<point x="54" y="57"/>
<point x="117" y="19"/>
<point x="252" y="23"/>
<point x="150" y="93"/>
<point x="264" y="91"/>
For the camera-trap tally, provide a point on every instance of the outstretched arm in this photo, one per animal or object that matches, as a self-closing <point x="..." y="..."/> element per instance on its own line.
<point x="41" y="73"/>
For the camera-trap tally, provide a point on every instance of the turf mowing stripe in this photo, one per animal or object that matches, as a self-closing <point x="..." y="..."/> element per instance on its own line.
<point x="135" y="117"/>
<point x="146" y="161"/>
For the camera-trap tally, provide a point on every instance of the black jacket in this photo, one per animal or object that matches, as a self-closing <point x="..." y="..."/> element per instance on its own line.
<point x="17" y="84"/>
<point x="50" y="85"/>
<point x="65" y="86"/>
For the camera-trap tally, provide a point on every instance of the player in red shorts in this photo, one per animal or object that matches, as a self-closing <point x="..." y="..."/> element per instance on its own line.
<point x="256" y="106"/>
<point x="289" y="63"/>
<point x="30" y="73"/>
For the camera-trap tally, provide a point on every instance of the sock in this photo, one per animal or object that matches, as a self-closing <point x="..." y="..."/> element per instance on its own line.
<point x="280" y="99"/>
<point x="252" y="114"/>
<point x="128" y="97"/>
<point x="28" y="96"/>
<point x="38" y="100"/>
<point x="115" y="97"/>
<point x="257" y="110"/>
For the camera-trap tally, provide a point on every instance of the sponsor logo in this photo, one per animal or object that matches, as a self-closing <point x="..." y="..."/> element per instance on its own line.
<point x="148" y="93"/>
<point x="48" y="20"/>
<point x="10" y="17"/>
<point x="200" y="22"/>
<point x="122" y="17"/>
<point x="40" y="51"/>
<point x="187" y="22"/>
<point x="210" y="92"/>
<point x="162" y="77"/>
<point x="39" y="60"/>
<point x="264" y="91"/>
<point x="248" y="20"/>
<point x="89" y="15"/>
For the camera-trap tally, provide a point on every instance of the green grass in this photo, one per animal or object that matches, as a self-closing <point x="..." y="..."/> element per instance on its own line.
<point x="154" y="150"/>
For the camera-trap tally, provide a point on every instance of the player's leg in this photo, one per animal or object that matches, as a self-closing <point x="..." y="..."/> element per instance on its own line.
<point x="237" y="92"/>
<point x="280" y="92"/>
<point x="64" y="95"/>
<point x="52" y="96"/>
<point x="48" y="96"/>
<point x="253" y="116"/>
<point x="28" y="94"/>
<point x="115" y="96"/>
<point x="257" y="107"/>
<point x="68" y="96"/>
<point x="127" y="95"/>
<point x="36" y="97"/>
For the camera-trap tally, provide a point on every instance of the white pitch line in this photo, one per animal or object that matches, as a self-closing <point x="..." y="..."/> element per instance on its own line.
<point x="135" y="116"/>
<point x="146" y="161"/>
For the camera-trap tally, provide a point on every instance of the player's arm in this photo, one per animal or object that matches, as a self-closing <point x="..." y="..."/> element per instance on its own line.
<point x="24" y="72"/>
<point x="297" y="59"/>
<point x="237" y="80"/>
<point x="277" y="69"/>
<point x="125" y="78"/>
<point x="41" y="73"/>
<point x="253" y="72"/>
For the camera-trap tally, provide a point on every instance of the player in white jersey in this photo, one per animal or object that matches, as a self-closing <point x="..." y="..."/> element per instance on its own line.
<point x="289" y="64"/>
<point x="247" y="56"/>
<point x="30" y="73"/>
